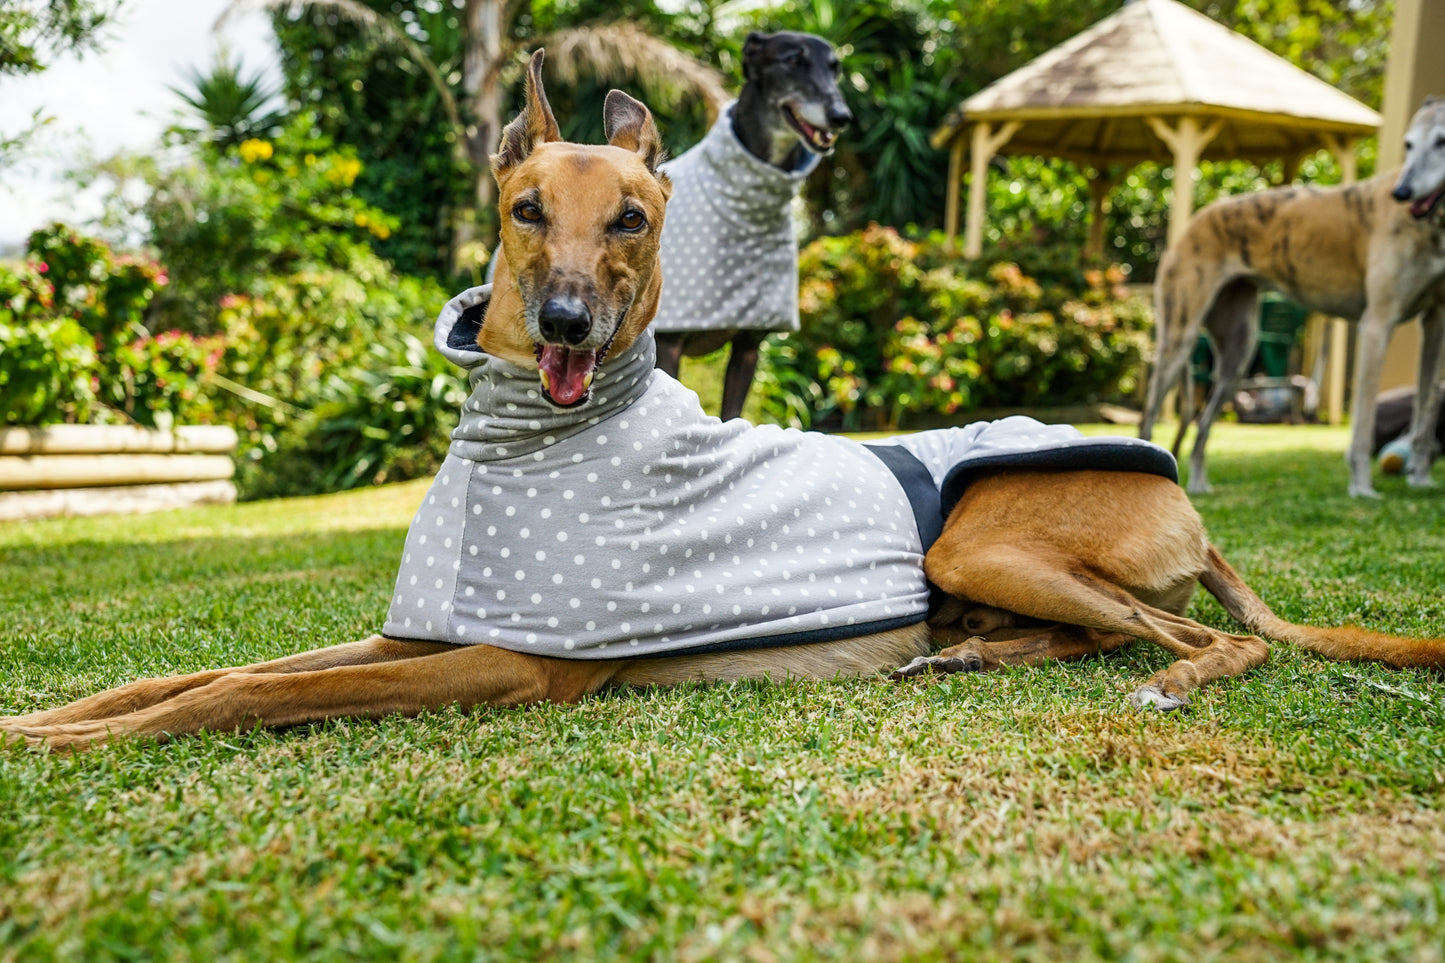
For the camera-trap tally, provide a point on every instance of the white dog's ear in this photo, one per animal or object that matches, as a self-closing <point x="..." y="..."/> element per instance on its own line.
<point x="534" y="125"/>
<point x="628" y="124"/>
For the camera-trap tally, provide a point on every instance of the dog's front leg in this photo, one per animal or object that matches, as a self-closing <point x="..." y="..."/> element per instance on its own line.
<point x="468" y="676"/>
<point x="1370" y="346"/>
<point x="144" y="693"/>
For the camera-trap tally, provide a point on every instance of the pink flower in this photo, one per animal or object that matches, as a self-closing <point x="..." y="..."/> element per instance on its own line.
<point x="42" y="267"/>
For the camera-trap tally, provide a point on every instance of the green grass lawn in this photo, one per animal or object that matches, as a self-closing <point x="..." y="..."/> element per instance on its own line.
<point x="1029" y="814"/>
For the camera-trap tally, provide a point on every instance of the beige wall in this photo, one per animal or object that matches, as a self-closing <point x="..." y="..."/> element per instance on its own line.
<point x="1416" y="68"/>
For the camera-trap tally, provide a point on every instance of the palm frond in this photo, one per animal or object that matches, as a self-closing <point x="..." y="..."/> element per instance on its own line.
<point x="381" y="28"/>
<point x="621" y="52"/>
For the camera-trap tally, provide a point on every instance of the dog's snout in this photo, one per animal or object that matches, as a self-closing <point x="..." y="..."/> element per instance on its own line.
<point x="839" y="116"/>
<point x="565" y="320"/>
<point x="1402" y="192"/>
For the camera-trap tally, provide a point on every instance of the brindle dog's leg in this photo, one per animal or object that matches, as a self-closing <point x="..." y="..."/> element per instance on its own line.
<point x="144" y="693"/>
<point x="465" y="676"/>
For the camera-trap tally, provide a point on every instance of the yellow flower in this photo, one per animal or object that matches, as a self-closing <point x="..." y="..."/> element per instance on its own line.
<point x="344" y="171"/>
<point x="256" y="150"/>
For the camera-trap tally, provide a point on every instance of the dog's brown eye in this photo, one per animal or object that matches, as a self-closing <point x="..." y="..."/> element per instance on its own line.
<point x="527" y="211"/>
<point x="631" y="221"/>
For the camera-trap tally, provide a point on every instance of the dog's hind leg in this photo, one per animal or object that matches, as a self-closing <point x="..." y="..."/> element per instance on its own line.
<point x="1046" y="587"/>
<point x="144" y="693"/>
<point x="1179" y="311"/>
<point x="466" y="676"/>
<point x="1186" y="410"/>
<point x="1423" y="442"/>
<point x="1118" y="553"/>
<point x="1234" y="334"/>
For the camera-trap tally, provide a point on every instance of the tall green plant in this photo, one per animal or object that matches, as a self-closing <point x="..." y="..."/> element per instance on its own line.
<point x="231" y="106"/>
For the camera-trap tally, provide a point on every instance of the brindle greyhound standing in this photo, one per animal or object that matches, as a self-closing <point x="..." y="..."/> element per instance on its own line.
<point x="1372" y="252"/>
<point x="1040" y="564"/>
<point x="789" y="109"/>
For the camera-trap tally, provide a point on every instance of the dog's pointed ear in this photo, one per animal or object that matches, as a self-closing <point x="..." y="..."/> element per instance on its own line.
<point x="753" y="49"/>
<point x="533" y="126"/>
<point x="628" y="124"/>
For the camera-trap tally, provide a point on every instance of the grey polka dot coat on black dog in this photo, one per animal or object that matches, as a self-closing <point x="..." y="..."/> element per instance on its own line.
<point x="729" y="245"/>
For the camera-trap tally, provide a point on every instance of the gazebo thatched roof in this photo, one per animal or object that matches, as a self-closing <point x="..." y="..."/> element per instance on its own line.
<point x="1088" y="97"/>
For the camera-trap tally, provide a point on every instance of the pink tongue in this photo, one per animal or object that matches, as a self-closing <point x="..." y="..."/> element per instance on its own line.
<point x="1422" y="207"/>
<point x="566" y="372"/>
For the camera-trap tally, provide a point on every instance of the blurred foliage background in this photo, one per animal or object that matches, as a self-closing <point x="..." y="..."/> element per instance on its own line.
<point x="288" y="247"/>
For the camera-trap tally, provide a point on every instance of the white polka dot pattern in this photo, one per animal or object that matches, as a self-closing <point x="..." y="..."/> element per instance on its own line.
<point x="729" y="248"/>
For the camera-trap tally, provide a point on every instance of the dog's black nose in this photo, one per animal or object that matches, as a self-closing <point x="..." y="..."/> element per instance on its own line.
<point x="565" y="320"/>
<point x="839" y="117"/>
<point x="1401" y="193"/>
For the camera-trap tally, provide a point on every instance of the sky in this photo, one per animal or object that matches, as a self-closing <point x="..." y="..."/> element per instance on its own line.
<point x="112" y="100"/>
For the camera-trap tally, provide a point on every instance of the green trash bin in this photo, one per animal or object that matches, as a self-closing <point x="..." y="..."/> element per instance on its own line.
<point x="1280" y="323"/>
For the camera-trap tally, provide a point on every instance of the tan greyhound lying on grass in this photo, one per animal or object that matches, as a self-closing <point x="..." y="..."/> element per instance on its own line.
<point x="590" y="527"/>
<point x="1372" y="252"/>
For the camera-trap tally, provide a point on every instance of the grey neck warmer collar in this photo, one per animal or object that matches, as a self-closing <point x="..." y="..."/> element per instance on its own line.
<point x="506" y="414"/>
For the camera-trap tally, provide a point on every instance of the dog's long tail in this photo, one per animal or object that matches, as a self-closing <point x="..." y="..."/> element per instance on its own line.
<point x="1347" y="642"/>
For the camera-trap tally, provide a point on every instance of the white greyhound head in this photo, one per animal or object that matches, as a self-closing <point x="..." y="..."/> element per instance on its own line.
<point x="1422" y="182"/>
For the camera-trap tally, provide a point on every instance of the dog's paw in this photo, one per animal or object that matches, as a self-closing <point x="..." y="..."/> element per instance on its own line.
<point x="1151" y="697"/>
<point x="937" y="665"/>
<point x="1425" y="482"/>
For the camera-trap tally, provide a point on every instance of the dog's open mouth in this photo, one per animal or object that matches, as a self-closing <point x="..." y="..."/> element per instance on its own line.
<point x="566" y="373"/>
<point x="818" y="138"/>
<point x="1424" y="206"/>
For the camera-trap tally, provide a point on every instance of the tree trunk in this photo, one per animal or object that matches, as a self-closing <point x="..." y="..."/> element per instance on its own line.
<point x="481" y="83"/>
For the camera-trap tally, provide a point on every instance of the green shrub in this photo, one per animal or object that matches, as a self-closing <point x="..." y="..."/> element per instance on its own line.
<point x="76" y="346"/>
<point x="241" y="220"/>
<point x="302" y="356"/>
<point x="897" y="331"/>
<point x="387" y="421"/>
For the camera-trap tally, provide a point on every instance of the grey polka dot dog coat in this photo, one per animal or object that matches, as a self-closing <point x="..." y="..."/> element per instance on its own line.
<point x="729" y="249"/>
<point x="636" y="525"/>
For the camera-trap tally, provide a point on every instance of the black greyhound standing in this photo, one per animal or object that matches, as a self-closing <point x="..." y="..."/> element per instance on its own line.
<point x="729" y="255"/>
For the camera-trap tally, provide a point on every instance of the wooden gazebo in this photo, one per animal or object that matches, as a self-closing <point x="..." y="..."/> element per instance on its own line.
<point x="1154" y="81"/>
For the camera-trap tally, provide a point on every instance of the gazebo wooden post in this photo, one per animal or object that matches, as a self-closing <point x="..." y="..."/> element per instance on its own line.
<point x="1187" y="143"/>
<point x="1343" y="150"/>
<point x="1101" y="185"/>
<point x="985" y="144"/>
<point x="955" y="181"/>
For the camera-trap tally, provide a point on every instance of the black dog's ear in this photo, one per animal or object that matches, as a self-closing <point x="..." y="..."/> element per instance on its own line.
<point x="628" y="124"/>
<point x="534" y="125"/>
<point x="752" y="50"/>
